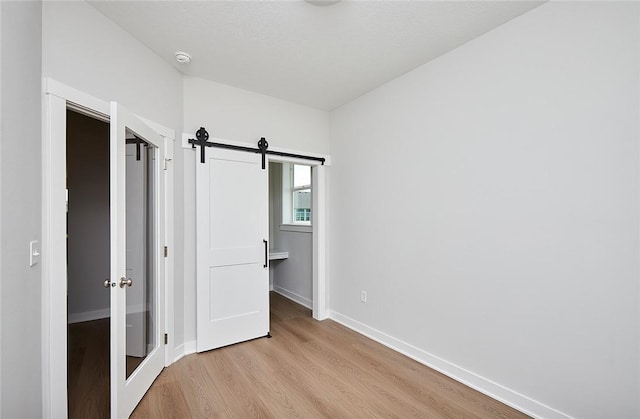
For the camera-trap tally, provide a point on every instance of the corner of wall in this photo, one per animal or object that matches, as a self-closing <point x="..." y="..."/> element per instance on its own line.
<point x="20" y="208"/>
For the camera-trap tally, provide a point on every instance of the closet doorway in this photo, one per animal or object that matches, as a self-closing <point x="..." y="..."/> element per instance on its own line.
<point x="88" y="265"/>
<point x="291" y="232"/>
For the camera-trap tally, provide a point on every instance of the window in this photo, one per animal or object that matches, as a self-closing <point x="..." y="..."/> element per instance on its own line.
<point x="301" y="194"/>
<point x="296" y="194"/>
<point x="303" y="214"/>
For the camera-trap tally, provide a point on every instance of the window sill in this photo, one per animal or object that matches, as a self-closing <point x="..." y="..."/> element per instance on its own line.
<point x="296" y="228"/>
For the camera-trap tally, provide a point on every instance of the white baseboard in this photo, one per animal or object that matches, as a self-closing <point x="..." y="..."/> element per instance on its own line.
<point x="185" y="349"/>
<point x="104" y="313"/>
<point x="88" y="316"/>
<point x="190" y="347"/>
<point x="294" y="297"/>
<point x="178" y="353"/>
<point x="475" y="381"/>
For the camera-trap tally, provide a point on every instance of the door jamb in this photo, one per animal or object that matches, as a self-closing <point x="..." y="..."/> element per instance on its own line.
<point x="57" y="98"/>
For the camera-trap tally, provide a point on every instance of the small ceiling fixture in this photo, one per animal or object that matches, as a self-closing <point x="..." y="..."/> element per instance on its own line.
<point x="183" y="57"/>
<point x="322" y="3"/>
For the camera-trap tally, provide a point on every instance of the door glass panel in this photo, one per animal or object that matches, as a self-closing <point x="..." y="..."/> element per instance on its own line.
<point x="140" y="243"/>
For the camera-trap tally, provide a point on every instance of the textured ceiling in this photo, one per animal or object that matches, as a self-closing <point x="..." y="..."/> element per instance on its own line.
<point x="317" y="56"/>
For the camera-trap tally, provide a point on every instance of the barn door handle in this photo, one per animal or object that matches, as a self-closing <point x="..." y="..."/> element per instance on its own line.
<point x="266" y="254"/>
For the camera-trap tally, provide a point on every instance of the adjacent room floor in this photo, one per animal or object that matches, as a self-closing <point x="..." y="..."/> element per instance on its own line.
<point x="88" y="369"/>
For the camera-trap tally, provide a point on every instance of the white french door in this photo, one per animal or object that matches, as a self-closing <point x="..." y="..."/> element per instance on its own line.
<point x="232" y="262"/>
<point x="137" y="264"/>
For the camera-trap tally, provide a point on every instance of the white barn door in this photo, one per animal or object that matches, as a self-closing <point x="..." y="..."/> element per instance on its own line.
<point x="232" y="263"/>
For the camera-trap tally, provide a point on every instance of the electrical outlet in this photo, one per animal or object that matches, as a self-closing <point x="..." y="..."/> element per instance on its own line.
<point x="363" y="296"/>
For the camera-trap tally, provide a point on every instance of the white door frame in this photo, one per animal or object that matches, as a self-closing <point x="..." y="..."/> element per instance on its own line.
<point x="319" y="225"/>
<point x="57" y="98"/>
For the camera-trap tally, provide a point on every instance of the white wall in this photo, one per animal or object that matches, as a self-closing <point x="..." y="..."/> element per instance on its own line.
<point x="238" y="115"/>
<point x="292" y="277"/>
<point x="20" y="208"/>
<point x="241" y="115"/>
<point x="87" y="51"/>
<point x="488" y="203"/>
<point x="1" y="254"/>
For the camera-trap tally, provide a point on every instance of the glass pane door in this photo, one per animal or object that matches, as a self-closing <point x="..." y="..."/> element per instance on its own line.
<point x="137" y="264"/>
<point x="141" y="242"/>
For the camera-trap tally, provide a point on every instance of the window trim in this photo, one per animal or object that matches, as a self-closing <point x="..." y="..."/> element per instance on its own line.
<point x="296" y="228"/>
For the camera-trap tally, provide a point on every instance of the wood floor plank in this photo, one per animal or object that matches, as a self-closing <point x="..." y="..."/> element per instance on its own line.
<point x="88" y="369"/>
<point x="293" y="372"/>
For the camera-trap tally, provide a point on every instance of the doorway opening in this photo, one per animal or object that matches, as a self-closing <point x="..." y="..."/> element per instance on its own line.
<point x="291" y="232"/>
<point x="88" y="265"/>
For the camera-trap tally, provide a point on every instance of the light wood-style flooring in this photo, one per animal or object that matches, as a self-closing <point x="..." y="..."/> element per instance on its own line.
<point x="310" y="369"/>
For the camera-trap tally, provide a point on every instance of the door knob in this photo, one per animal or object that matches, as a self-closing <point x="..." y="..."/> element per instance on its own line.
<point x="126" y="281"/>
<point x="107" y="283"/>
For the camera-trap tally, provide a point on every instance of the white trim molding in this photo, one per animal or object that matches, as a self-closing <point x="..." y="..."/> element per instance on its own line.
<point x="483" y="385"/>
<point x="320" y="242"/>
<point x="84" y="101"/>
<point x="54" y="257"/>
<point x="88" y="316"/>
<point x="296" y="298"/>
<point x="183" y="350"/>
<point x="299" y="228"/>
